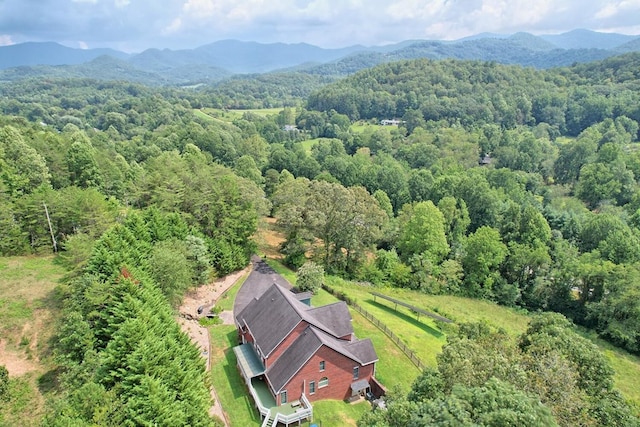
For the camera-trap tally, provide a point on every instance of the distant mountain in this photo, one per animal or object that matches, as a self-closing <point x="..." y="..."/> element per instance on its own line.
<point x="586" y="39"/>
<point x="212" y="62"/>
<point x="240" y="57"/>
<point x="630" y="46"/>
<point x="109" y="68"/>
<point x="531" y="42"/>
<point x="523" y="49"/>
<point x="49" y="53"/>
<point x="483" y="36"/>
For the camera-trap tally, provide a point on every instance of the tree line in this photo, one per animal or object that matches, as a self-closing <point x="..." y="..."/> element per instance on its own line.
<point x="548" y="220"/>
<point x="550" y="377"/>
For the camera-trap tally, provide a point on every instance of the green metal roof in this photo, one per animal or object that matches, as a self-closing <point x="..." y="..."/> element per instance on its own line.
<point x="248" y="361"/>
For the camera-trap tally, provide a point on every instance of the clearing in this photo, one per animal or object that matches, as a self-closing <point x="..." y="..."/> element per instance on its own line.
<point x="29" y="311"/>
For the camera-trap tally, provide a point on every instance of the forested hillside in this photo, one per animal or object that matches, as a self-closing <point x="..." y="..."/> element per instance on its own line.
<point x="510" y="184"/>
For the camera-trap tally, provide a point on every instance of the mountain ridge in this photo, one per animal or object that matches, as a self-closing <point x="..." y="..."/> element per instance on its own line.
<point x="214" y="61"/>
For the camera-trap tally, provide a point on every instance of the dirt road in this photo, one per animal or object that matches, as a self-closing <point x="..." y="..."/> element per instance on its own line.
<point x="205" y="296"/>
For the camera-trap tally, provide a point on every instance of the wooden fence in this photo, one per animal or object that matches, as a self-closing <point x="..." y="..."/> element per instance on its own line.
<point x="370" y="317"/>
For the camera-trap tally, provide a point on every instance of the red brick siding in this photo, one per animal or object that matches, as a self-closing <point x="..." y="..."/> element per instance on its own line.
<point x="286" y="343"/>
<point x="339" y="370"/>
<point x="248" y="338"/>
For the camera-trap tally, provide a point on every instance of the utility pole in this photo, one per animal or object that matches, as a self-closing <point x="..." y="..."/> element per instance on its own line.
<point x="53" y="237"/>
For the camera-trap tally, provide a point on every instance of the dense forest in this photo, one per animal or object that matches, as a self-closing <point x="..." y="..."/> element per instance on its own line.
<point x="510" y="184"/>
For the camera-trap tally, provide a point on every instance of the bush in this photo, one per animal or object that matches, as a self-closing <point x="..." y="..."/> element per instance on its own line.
<point x="309" y="277"/>
<point x="4" y="384"/>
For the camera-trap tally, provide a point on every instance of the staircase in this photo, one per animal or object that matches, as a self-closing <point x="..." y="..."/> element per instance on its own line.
<point x="270" y="421"/>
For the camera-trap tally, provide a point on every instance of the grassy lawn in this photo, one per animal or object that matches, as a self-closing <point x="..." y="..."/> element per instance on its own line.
<point x="285" y="272"/>
<point x="28" y="313"/>
<point x="231" y="115"/>
<point x="361" y="126"/>
<point x="227" y="298"/>
<point x="393" y="369"/>
<point x="338" y="413"/>
<point x="626" y="366"/>
<point x="226" y="379"/>
<point x="309" y="143"/>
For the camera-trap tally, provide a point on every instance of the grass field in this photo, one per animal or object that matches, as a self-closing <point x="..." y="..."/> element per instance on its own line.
<point x="28" y="313"/>
<point x="361" y="127"/>
<point x="231" y="115"/>
<point x="309" y="143"/>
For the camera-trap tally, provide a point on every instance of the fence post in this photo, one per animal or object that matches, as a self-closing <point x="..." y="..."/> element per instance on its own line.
<point x="369" y="316"/>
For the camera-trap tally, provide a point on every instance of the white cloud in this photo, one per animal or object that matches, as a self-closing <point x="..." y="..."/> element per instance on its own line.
<point x="83" y="45"/>
<point x="5" y="40"/>
<point x="327" y="23"/>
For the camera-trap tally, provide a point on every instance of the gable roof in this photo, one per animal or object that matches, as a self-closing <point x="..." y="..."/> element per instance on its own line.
<point x="292" y="360"/>
<point x="335" y="317"/>
<point x="273" y="315"/>
<point x="270" y="318"/>
<point x="306" y="345"/>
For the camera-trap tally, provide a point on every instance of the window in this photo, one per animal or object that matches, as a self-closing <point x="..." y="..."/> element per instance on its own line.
<point x="324" y="381"/>
<point x="283" y="397"/>
<point x="321" y="365"/>
<point x="312" y="387"/>
<point x="356" y="372"/>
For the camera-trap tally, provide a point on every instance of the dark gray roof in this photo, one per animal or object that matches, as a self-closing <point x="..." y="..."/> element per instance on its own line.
<point x="303" y="295"/>
<point x="271" y="311"/>
<point x="292" y="360"/>
<point x="270" y="318"/>
<point x="335" y="317"/>
<point x="359" y="385"/>
<point x="361" y="351"/>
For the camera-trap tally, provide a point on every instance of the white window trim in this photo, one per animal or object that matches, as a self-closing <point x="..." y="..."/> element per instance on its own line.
<point x="324" y="382"/>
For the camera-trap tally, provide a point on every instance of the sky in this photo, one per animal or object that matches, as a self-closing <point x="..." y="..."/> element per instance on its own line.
<point x="135" y="25"/>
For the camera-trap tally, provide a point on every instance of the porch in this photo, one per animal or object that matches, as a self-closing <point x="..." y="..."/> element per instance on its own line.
<point x="252" y="372"/>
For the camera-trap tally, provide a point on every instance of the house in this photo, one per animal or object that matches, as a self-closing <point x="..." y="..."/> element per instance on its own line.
<point x="390" y="122"/>
<point x="485" y="160"/>
<point x="295" y="352"/>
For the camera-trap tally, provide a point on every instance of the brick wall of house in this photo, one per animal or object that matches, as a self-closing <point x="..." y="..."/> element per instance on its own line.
<point x="286" y="342"/>
<point x="248" y="338"/>
<point x="339" y="371"/>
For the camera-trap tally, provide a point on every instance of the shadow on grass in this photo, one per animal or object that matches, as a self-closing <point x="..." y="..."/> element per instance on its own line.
<point x="407" y="318"/>
<point x="239" y="392"/>
<point x="50" y="381"/>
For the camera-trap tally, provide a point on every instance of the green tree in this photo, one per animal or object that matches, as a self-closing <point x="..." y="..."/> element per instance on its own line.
<point x="81" y="163"/>
<point x="310" y="277"/>
<point x="456" y="220"/>
<point x="495" y="403"/>
<point x="245" y="166"/>
<point x="483" y="252"/>
<point x="422" y="231"/>
<point x="22" y="168"/>
<point x="169" y="268"/>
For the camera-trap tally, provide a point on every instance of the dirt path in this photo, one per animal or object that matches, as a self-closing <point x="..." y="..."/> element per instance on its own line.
<point x="205" y="297"/>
